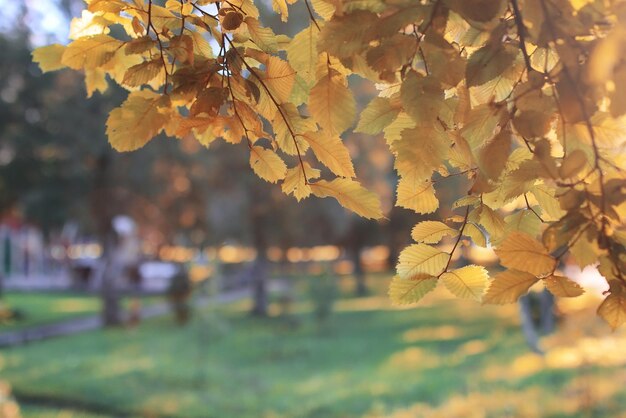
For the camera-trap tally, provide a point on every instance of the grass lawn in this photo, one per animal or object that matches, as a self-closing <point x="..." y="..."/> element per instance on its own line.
<point x="40" y="308"/>
<point x="445" y="358"/>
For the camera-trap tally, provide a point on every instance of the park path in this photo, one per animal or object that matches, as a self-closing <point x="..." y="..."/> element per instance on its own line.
<point x="94" y="322"/>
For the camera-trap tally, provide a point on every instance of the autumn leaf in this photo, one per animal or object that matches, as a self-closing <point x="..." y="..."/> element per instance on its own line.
<point x="351" y="195"/>
<point x="416" y="194"/>
<point x="137" y="121"/>
<point x="407" y="291"/>
<point x="468" y="282"/>
<point x="508" y="286"/>
<point x="376" y="116"/>
<point x="49" y="57"/>
<point x="330" y="151"/>
<point x="431" y="232"/>
<point x="267" y="164"/>
<point x="613" y="310"/>
<point x="521" y="252"/>
<point x="419" y="259"/>
<point x="562" y="286"/>
<point x="331" y="103"/>
<point x="294" y="182"/>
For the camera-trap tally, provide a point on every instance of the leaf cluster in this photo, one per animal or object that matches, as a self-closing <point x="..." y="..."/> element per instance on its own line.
<point x="520" y="97"/>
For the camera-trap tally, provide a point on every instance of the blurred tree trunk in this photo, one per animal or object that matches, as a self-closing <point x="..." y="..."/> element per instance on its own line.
<point x="111" y="312"/>
<point x="260" y="266"/>
<point x="537" y="317"/>
<point x="103" y="211"/>
<point x="359" y="273"/>
<point x="354" y="243"/>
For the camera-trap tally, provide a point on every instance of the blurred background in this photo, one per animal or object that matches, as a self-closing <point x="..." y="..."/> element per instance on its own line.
<point x="172" y="282"/>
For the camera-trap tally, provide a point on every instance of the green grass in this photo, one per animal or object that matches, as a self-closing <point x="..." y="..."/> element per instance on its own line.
<point x="43" y="308"/>
<point x="39" y="308"/>
<point x="445" y="358"/>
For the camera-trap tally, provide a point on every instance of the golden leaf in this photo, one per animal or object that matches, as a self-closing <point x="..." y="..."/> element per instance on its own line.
<point x="295" y="182"/>
<point x="431" y="232"/>
<point x="264" y="37"/>
<point x="331" y="103"/>
<point x="521" y="252"/>
<point x="468" y="282"/>
<point x="508" y="286"/>
<point x="90" y="52"/>
<point x="562" y="286"/>
<point x="137" y="121"/>
<point x="95" y="80"/>
<point x="420" y="259"/>
<point x="404" y="292"/>
<point x="417" y="194"/>
<point x="302" y="52"/>
<point x="331" y="152"/>
<point x="477" y="236"/>
<point x="422" y="97"/>
<point x="351" y="195"/>
<point x="613" y="310"/>
<point x="489" y="62"/>
<point x="376" y="116"/>
<point x="267" y="164"/>
<point x="49" y="57"/>
<point x="143" y="73"/>
<point x="279" y="78"/>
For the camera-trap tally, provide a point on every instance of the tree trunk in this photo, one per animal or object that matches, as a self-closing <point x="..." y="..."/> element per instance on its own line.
<point x="528" y="324"/>
<point x="260" y="299"/>
<point x="103" y="204"/>
<point x="541" y="321"/>
<point x="111" y="310"/>
<point x="260" y="267"/>
<point x="359" y="273"/>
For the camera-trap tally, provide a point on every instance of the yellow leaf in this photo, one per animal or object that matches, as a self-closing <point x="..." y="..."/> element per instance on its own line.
<point x="137" y="121"/>
<point x="431" y="232"/>
<point x="508" y="286"/>
<point x="420" y="151"/>
<point x="404" y="292"/>
<point x="585" y="251"/>
<point x="290" y="118"/>
<point x="263" y="37"/>
<point x="468" y="282"/>
<point x="331" y="152"/>
<point x="562" y="286"/>
<point x="302" y="52"/>
<point x="95" y="80"/>
<point x="376" y="116"/>
<point x="422" y="97"/>
<point x="521" y="252"/>
<point x="324" y="8"/>
<point x="294" y="181"/>
<point x="417" y="194"/>
<point x="550" y="206"/>
<point x="613" y="310"/>
<point x="480" y="125"/>
<point x="49" y="57"/>
<point x="331" y="103"/>
<point x="475" y="234"/>
<point x="351" y="195"/>
<point x="491" y="221"/>
<point x="143" y="73"/>
<point x="90" y="52"/>
<point x="267" y="164"/>
<point x="280" y="7"/>
<point x="489" y="62"/>
<point x="279" y="78"/>
<point x="572" y="164"/>
<point x="88" y="24"/>
<point x="420" y="259"/>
